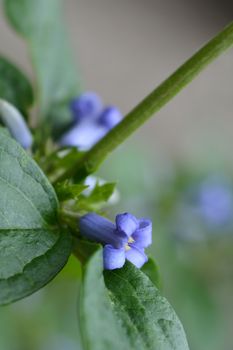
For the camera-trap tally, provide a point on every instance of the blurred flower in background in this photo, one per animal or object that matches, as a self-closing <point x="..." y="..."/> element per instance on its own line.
<point x="91" y="121"/>
<point x="203" y="208"/>
<point x="215" y="202"/>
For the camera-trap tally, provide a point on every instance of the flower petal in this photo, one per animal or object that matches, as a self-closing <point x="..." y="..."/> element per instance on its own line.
<point x="100" y="229"/>
<point x="110" y="117"/>
<point x="136" y="256"/>
<point x="87" y="105"/>
<point x="126" y="223"/>
<point x="143" y="235"/>
<point x="83" y="135"/>
<point x="113" y="258"/>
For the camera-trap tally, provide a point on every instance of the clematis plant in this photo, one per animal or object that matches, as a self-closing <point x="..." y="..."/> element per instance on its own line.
<point x="45" y="213"/>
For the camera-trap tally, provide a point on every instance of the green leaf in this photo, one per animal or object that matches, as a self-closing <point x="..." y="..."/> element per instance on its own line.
<point x="14" y="86"/>
<point x="124" y="310"/>
<point x="66" y="191"/>
<point x="97" y="198"/>
<point x="41" y="24"/>
<point x="102" y="193"/>
<point x="151" y="269"/>
<point x="32" y="247"/>
<point x="59" y="160"/>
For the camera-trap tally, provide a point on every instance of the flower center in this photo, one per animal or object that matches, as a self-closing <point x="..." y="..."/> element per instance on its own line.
<point x="127" y="247"/>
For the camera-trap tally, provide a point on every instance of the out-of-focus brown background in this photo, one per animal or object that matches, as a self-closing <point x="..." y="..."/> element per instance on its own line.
<point x="125" y="48"/>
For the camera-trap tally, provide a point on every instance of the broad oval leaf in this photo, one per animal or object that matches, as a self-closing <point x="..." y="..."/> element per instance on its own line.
<point x="124" y="310"/>
<point x="42" y="26"/>
<point x="14" y="86"/>
<point x="32" y="248"/>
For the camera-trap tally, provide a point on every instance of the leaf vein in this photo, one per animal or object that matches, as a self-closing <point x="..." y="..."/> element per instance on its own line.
<point x="27" y="199"/>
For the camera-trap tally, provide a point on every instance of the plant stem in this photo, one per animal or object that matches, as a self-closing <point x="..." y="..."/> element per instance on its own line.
<point x="151" y="104"/>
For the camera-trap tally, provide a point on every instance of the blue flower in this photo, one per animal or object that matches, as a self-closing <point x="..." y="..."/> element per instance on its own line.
<point x="126" y="239"/>
<point x="91" y="121"/>
<point x="15" y="123"/>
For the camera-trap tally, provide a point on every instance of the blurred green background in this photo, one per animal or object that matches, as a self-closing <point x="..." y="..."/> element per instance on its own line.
<point x="124" y="49"/>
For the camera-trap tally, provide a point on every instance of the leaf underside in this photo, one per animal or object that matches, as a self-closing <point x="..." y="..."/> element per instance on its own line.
<point x="32" y="247"/>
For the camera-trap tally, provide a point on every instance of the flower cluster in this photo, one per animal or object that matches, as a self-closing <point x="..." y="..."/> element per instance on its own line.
<point x="91" y="121"/>
<point x="126" y="239"/>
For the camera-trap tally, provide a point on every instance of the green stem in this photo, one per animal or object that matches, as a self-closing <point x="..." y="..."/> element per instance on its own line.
<point x="151" y="104"/>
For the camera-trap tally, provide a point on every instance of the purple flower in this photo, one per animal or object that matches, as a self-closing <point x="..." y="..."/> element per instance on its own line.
<point x="87" y="105"/>
<point x="83" y="135"/>
<point x="91" y="121"/>
<point x="110" y="117"/>
<point x="126" y="239"/>
<point x="15" y="123"/>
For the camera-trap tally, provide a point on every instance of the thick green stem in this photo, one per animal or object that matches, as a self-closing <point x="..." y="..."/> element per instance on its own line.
<point x="151" y="104"/>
